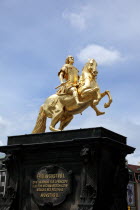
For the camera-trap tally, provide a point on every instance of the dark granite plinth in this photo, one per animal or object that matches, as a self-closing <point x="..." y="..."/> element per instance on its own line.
<point x="80" y="169"/>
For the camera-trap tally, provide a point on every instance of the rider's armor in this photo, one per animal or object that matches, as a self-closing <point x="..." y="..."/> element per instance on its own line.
<point x="70" y="74"/>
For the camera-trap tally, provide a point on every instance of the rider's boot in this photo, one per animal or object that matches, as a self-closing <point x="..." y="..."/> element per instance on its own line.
<point x="77" y="100"/>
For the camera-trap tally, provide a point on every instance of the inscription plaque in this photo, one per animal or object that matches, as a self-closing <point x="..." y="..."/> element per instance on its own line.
<point x="51" y="185"/>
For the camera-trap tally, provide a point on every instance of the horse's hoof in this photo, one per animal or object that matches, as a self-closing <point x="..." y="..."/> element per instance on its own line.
<point x="53" y="129"/>
<point x="100" y="113"/>
<point x="106" y="105"/>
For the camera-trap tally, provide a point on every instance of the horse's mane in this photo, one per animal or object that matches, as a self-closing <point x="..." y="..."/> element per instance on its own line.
<point x="86" y="65"/>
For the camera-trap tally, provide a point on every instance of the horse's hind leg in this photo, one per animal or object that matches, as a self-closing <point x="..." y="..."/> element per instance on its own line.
<point x="65" y="122"/>
<point x="107" y="92"/>
<point x="98" y="98"/>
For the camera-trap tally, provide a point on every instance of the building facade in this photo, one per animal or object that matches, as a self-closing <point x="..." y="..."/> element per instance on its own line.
<point x="2" y="178"/>
<point x="133" y="188"/>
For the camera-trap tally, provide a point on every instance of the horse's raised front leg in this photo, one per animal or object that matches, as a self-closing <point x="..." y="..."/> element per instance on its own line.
<point x="98" y="98"/>
<point x="65" y="121"/>
<point x="98" y="112"/>
<point x="107" y="92"/>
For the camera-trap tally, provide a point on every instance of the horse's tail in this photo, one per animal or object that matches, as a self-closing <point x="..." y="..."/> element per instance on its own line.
<point x="40" y="125"/>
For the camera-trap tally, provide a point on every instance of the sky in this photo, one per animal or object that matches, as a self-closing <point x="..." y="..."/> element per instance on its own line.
<point x="35" y="38"/>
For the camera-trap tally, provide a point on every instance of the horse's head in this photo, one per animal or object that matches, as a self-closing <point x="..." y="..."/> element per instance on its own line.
<point x="92" y="67"/>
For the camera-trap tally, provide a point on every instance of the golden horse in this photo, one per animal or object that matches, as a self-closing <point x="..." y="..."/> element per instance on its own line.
<point x="61" y="108"/>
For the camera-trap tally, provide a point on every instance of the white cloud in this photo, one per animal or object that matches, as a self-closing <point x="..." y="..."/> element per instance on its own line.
<point x="77" y="20"/>
<point x="3" y="124"/>
<point x="102" y="55"/>
<point x="1" y="143"/>
<point x="133" y="159"/>
<point x="18" y="125"/>
<point x="102" y="19"/>
<point x="19" y="119"/>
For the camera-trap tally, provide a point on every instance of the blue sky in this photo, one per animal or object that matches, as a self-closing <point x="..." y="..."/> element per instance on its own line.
<point x="36" y="37"/>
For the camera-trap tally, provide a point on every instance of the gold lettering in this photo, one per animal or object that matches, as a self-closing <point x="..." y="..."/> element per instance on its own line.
<point x="51" y="181"/>
<point x="41" y="189"/>
<point x="51" y="195"/>
<point x="34" y="182"/>
<point x="40" y="176"/>
<point x="50" y="176"/>
<point x="61" y="181"/>
<point x="58" y="189"/>
<point x="50" y="185"/>
<point x="49" y="189"/>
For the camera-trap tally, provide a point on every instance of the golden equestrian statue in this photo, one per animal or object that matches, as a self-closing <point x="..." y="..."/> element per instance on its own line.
<point x="74" y="95"/>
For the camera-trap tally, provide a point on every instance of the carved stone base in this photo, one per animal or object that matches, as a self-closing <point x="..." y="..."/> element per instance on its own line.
<point x="75" y="170"/>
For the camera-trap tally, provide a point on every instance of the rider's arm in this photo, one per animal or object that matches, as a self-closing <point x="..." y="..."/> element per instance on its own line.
<point x="62" y="74"/>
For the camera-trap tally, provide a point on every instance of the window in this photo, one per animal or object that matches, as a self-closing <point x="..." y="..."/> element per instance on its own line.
<point x="131" y="177"/>
<point x="139" y="177"/>
<point x="2" y="182"/>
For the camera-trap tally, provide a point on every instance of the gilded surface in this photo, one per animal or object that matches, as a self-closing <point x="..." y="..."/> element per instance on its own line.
<point x="73" y="96"/>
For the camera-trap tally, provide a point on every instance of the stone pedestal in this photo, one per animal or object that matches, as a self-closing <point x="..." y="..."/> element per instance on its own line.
<point x="80" y="169"/>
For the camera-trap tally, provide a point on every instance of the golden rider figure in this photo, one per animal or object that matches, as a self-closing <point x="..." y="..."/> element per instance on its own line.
<point x="69" y="77"/>
<point x="62" y="106"/>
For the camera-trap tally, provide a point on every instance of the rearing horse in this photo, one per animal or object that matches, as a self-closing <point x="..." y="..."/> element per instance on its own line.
<point x="61" y="108"/>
